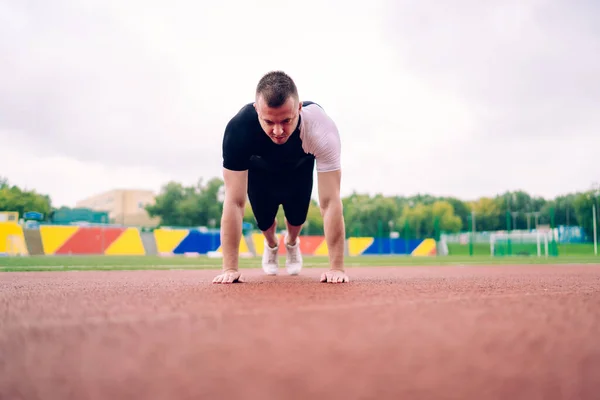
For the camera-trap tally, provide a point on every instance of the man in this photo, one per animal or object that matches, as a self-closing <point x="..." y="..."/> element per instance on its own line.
<point x="269" y="152"/>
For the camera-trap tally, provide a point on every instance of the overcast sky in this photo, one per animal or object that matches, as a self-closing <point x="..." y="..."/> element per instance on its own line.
<point x="464" y="98"/>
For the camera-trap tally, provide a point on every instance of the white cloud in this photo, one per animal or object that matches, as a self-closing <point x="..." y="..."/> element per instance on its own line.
<point x="428" y="98"/>
<point x="68" y="179"/>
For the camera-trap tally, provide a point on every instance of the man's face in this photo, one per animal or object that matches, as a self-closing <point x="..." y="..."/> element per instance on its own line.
<point x="278" y="123"/>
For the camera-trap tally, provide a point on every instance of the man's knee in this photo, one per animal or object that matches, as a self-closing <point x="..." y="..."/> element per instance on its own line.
<point x="297" y="223"/>
<point x="265" y="226"/>
<point x="296" y="212"/>
<point x="296" y="219"/>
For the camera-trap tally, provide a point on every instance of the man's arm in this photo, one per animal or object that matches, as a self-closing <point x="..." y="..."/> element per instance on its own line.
<point x="233" y="215"/>
<point x="231" y="224"/>
<point x="323" y="140"/>
<point x="333" y="219"/>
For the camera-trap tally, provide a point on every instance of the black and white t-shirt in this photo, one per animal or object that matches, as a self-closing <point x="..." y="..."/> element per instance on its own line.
<point x="316" y="136"/>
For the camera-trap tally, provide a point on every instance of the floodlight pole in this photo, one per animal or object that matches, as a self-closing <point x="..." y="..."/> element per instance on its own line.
<point x="537" y="216"/>
<point x="595" y="230"/>
<point x="514" y="215"/>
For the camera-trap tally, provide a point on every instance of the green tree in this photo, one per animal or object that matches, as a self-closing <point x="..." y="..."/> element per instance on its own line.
<point x="564" y="209"/>
<point x="522" y="208"/>
<point x="416" y="217"/>
<point x="487" y="213"/>
<point x="196" y="205"/>
<point x="461" y="210"/>
<point x="583" y="205"/>
<point x="166" y="205"/>
<point x="443" y="212"/>
<point x="422" y="218"/>
<point x="369" y="216"/>
<point x="248" y="214"/>
<point x="314" y="220"/>
<point x="13" y="198"/>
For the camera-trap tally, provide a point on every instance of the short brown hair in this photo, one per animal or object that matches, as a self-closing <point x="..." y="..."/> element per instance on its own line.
<point x="275" y="88"/>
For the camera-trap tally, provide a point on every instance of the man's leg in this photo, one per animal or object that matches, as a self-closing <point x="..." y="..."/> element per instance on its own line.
<point x="292" y="232"/>
<point x="295" y="207"/>
<point x="270" y="256"/>
<point x="264" y="207"/>
<point x="270" y="236"/>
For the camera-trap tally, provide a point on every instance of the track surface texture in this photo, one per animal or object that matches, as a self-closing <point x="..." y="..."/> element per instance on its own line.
<point x="514" y="332"/>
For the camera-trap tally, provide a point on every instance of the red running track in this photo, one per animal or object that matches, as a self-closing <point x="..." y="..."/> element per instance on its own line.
<point x="530" y="332"/>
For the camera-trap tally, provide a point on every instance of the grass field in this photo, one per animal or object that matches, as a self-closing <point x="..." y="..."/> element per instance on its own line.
<point x="62" y="263"/>
<point x="483" y="249"/>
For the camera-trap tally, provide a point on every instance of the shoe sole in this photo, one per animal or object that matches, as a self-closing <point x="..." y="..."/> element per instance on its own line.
<point x="294" y="271"/>
<point x="270" y="272"/>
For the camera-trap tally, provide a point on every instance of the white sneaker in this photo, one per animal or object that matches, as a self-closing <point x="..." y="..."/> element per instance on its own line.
<point x="293" y="260"/>
<point x="270" y="261"/>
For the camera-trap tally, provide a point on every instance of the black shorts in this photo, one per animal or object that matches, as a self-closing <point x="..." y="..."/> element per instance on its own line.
<point x="269" y="187"/>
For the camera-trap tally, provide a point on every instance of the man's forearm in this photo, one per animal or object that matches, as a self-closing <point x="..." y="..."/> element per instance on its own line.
<point x="231" y="234"/>
<point x="335" y="233"/>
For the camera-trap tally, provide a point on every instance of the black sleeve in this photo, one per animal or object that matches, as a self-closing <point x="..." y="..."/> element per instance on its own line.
<point x="236" y="149"/>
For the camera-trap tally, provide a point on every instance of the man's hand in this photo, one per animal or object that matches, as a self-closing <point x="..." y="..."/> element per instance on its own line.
<point x="334" y="276"/>
<point x="229" y="276"/>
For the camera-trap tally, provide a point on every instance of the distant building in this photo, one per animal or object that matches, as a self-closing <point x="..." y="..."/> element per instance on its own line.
<point x="124" y="206"/>
<point x="9" y="216"/>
